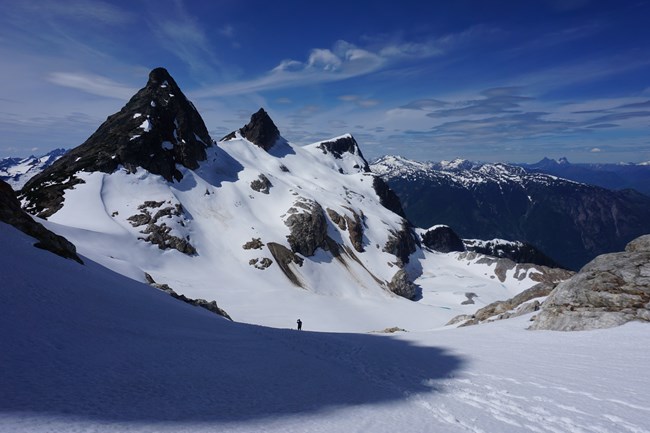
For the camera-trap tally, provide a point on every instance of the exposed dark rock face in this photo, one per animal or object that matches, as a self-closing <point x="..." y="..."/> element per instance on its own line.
<point x="260" y="130"/>
<point x="512" y="307"/>
<point x="308" y="227"/>
<point x="261" y="184"/>
<point x="12" y="214"/>
<point x="355" y="229"/>
<point x="284" y="257"/>
<point x="518" y="252"/>
<point x="345" y="144"/>
<point x="442" y="239"/>
<point x="159" y="232"/>
<point x="208" y="305"/>
<point x="337" y="219"/>
<point x="402" y="286"/>
<point x="156" y="130"/>
<point x="610" y="290"/>
<point x="387" y="197"/>
<point x="253" y="244"/>
<point x="401" y="244"/>
<point x="260" y="264"/>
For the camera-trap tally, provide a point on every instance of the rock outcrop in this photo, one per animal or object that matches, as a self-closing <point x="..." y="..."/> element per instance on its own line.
<point x="387" y="197"/>
<point x="12" y="214"/>
<point x="158" y="232"/>
<point x="401" y="243"/>
<point x="518" y="252"/>
<point x="609" y="291"/>
<point x="443" y="239"/>
<point x="208" y="305"/>
<point x="402" y="286"/>
<point x="513" y="307"/>
<point x="156" y="130"/>
<point x="538" y="273"/>
<point x="342" y="145"/>
<point x="308" y="227"/>
<point x="260" y="131"/>
<point x="285" y="259"/>
<point x="261" y="184"/>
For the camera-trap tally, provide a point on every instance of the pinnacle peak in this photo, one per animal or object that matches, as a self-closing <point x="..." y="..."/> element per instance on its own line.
<point x="261" y="130"/>
<point x="159" y="75"/>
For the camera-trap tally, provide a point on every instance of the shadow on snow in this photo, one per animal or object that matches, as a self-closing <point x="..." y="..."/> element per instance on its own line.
<point x="242" y="373"/>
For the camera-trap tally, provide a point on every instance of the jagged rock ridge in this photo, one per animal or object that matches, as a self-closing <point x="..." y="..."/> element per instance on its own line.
<point x="341" y="145"/>
<point x="12" y="214"/>
<point x="156" y="130"/>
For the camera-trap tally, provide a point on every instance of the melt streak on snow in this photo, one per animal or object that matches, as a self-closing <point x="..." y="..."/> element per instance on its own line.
<point x="88" y="350"/>
<point x="221" y="213"/>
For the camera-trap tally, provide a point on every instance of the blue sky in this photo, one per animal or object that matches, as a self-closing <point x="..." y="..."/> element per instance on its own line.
<point x="482" y="80"/>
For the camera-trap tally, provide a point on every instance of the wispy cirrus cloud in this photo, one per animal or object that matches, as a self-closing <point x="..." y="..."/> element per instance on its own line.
<point x="345" y="60"/>
<point x="342" y="61"/>
<point x="183" y="35"/>
<point x="93" y="84"/>
<point x="511" y="116"/>
<point x="96" y="11"/>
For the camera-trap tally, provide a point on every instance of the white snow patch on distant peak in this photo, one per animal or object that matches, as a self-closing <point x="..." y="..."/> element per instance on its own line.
<point x="136" y="115"/>
<point x="153" y="103"/>
<point x="146" y="125"/>
<point x="167" y="145"/>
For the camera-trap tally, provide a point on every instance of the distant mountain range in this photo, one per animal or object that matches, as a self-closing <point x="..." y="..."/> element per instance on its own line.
<point x="610" y="176"/>
<point x="569" y="221"/>
<point x="17" y="171"/>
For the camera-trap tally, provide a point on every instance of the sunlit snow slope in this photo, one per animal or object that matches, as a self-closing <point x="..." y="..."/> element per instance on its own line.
<point x="221" y="213"/>
<point x="85" y="349"/>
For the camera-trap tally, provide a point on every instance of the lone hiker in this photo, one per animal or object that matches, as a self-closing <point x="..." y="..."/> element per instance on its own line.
<point x="299" y="322"/>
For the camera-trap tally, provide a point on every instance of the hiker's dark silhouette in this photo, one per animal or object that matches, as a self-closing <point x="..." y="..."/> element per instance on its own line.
<point x="299" y="322"/>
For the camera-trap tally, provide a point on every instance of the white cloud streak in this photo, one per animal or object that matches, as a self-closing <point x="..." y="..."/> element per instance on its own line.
<point x="93" y="84"/>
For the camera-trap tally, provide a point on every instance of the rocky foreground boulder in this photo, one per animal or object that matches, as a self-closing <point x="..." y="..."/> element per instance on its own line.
<point x="609" y="291"/>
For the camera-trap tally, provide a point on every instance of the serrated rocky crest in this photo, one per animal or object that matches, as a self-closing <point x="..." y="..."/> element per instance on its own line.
<point x="156" y="130"/>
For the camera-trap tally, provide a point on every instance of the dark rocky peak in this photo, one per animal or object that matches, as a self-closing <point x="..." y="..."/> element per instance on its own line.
<point x="344" y="144"/>
<point x="443" y="239"/>
<point x="518" y="252"/>
<point x="387" y="197"/>
<point x="156" y="130"/>
<point x="12" y="214"/>
<point x="260" y="131"/>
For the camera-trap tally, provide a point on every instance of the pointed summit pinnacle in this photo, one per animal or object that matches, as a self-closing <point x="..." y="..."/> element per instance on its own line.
<point x="159" y="76"/>
<point x="158" y="129"/>
<point x="260" y="130"/>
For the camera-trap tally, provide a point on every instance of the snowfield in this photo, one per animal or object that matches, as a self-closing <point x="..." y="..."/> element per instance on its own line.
<point x="87" y="350"/>
<point x="221" y="213"/>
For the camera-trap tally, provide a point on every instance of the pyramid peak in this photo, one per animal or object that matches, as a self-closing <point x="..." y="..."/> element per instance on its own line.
<point x="159" y="75"/>
<point x="260" y="131"/>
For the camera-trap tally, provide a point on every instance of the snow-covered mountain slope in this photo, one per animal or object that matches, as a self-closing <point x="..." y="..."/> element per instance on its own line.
<point x="85" y="349"/>
<point x="568" y="221"/>
<point x="270" y="230"/>
<point x="220" y="214"/>
<point x="17" y="171"/>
